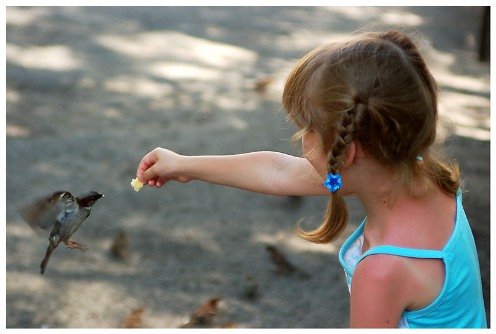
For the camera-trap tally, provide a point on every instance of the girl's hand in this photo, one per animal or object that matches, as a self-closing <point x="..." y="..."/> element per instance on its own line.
<point x="159" y="167"/>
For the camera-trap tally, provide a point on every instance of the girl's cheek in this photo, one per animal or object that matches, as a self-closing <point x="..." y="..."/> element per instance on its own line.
<point x="318" y="161"/>
<point x="312" y="150"/>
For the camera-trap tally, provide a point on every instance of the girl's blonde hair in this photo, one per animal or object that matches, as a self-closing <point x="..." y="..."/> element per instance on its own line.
<point x="377" y="89"/>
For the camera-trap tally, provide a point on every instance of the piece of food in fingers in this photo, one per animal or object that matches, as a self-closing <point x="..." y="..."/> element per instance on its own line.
<point x="136" y="184"/>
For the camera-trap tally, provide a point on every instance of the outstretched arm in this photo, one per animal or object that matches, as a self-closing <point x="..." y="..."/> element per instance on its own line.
<point x="263" y="172"/>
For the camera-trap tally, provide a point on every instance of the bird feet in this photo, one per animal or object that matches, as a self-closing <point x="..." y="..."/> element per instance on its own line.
<point x="71" y="244"/>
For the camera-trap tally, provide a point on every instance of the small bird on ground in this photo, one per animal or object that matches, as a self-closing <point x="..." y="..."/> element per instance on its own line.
<point x="61" y="212"/>
<point x="120" y="245"/>
<point x="134" y="319"/>
<point x="202" y="317"/>
<point x="283" y="266"/>
<point x="262" y="84"/>
<point x="250" y="287"/>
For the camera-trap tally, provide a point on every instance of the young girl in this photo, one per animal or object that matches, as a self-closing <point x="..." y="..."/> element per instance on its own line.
<point x="367" y="113"/>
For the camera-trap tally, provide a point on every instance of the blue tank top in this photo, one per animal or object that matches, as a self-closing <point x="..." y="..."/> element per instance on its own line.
<point x="460" y="303"/>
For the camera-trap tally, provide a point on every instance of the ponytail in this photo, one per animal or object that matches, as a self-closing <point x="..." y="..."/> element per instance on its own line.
<point x="333" y="224"/>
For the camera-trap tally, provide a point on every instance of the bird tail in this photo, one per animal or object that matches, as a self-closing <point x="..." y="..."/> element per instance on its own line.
<point x="46" y="258"/>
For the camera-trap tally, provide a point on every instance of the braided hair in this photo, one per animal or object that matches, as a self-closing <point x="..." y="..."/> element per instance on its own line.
<point x="376" y="89"/>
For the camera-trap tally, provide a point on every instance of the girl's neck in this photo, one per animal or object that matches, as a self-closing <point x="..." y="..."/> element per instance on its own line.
<point x="398" y="218"/>
<point x="377" y="188"/>
<point x="387" y="203"/>
<point x="396" y="215"/>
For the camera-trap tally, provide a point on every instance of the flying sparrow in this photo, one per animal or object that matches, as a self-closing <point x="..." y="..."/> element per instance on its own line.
<point x="61" y="212"/>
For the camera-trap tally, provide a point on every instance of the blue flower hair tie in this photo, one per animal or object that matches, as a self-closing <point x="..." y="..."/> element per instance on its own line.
<point x="333" y="182"/>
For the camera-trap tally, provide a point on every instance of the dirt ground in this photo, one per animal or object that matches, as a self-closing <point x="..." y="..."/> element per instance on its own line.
<point x="90" y="90"/>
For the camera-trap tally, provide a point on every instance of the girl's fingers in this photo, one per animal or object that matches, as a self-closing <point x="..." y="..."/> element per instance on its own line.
<point x="147" y="170"/>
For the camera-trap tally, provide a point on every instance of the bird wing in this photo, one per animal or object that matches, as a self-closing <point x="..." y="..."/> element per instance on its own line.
<point x="42" y="213"/>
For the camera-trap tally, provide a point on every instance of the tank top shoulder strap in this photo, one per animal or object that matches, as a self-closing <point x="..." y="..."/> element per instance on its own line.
<point x="405" y="252"/>
<point x="418" y="253"/>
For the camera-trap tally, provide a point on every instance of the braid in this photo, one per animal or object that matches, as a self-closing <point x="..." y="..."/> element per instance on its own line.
<point x="343" y="138"/>
<point x="411" y="52"/>
<point x="336" y="216"/>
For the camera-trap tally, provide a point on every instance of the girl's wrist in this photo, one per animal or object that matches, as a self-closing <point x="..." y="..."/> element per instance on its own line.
<point x="184" y="166"/>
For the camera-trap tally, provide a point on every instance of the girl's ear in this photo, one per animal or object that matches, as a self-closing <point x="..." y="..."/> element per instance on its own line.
<point x="351" y="154"/>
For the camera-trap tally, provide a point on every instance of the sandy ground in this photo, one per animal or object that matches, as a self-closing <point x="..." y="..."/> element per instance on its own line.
<point x="91" y="90"/>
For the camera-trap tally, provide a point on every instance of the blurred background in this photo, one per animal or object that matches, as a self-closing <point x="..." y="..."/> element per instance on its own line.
<point x="90" y="90"/>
